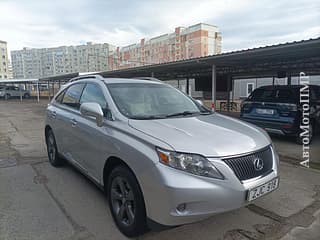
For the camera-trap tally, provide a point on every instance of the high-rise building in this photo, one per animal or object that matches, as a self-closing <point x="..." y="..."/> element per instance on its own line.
<point x="4" y="61"/>
<point x="44" y="62"/>
<point x="184" y="43"/>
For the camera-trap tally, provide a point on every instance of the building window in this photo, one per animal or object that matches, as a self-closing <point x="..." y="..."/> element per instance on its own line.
<point x="250" y="88"/>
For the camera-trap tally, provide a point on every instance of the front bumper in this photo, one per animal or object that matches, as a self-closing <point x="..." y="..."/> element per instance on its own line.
<point x="201" y="196"/>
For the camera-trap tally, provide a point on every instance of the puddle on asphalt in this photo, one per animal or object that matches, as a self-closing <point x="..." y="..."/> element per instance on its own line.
<point x="4" y="163"/>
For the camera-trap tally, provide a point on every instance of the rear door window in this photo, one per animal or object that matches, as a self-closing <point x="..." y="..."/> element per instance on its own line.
<point x="72" y="96"/>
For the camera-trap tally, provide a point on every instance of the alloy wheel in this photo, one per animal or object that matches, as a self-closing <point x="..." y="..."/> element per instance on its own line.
<point x="122" y="201"/>
<point x="51" y="147"/>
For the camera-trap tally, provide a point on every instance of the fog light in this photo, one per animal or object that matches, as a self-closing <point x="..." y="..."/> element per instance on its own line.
<point x="181" y="207"/>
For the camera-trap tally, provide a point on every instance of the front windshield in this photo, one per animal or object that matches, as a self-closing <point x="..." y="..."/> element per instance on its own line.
<point x="150" y="100"/>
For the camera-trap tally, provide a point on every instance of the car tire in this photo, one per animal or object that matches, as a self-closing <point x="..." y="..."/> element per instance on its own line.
<point x="52" y="150"/>
<point x="7" y="96"/>
<point x="311" y="134"/>
<point x="126" y="202"/>
<point x="26" y="95"/>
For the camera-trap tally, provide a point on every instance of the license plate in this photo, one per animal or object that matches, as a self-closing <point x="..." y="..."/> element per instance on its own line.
<point x="263" y="189"/>
<point x="265" y="111"/>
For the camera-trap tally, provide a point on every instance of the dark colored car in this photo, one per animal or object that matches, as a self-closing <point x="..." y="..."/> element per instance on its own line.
<point x="278" y="110"/>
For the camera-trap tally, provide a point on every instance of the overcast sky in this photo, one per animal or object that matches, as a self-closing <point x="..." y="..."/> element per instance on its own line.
<point x="243" y="23"/>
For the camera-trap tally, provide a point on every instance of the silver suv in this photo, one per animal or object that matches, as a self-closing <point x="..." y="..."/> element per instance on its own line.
<point x="161" y="157"/>
<point x="11" y="91"/>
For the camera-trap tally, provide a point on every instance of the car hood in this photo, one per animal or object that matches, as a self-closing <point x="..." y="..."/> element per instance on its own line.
<point x="212" y="135"/>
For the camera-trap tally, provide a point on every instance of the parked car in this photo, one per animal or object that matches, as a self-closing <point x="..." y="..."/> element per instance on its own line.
<point x="162" y="158"/>
<point x="278" y="110"/>
<point x="11" y="91"/>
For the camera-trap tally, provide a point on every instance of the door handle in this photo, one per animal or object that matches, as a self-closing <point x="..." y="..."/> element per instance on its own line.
<point x="54" y="114"/>
<point x="73" y="122"/>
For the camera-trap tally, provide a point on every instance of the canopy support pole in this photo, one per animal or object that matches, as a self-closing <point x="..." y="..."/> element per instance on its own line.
<point x="214" y="89"/>
<point x="20" y="92"/>
<point x="38" y="92"/>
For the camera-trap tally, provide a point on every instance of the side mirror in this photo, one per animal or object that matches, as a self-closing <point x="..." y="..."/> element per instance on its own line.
<point x="199" y="101"/>
<point x="93" y="110"/>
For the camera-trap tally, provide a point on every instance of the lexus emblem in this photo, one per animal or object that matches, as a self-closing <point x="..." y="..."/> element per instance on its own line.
<point x="258" y="164"/>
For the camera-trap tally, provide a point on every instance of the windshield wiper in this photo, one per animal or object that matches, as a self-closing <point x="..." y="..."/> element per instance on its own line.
<point x="185" y="113"/>
<point x="147" y="117"/>
<point x="206" y="112"/>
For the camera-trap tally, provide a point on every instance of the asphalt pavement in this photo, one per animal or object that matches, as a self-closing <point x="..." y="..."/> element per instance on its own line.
<point x="40" y="202"/>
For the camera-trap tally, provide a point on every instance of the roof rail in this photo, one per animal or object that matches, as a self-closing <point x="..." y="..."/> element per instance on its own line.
<point x="148" y="78"/>
<point x="95" y="76"/>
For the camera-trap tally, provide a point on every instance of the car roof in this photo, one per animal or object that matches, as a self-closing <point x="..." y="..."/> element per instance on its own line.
<point x="115" y="80"/>
<point x="129" y="80"/>
<point x="270" y="87"/>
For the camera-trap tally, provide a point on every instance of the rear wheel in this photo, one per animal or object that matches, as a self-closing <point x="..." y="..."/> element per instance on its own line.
<point x="52" y="150"/>
<point x="26" y="95"/>
<point x="126" y="202"/>
<point x="7" y="96"/>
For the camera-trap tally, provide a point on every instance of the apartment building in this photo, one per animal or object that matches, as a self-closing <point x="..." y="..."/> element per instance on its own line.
<point x="37" y="63"/>
<point x="4" y="61"/>
<point x="184" y="43"/>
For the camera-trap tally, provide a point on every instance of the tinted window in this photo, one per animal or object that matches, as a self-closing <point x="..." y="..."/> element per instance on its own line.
<point x="262" y="95"/>
<point x="93" y="93"/>
<point x="72" y="95"/>
<point x="317" y="93"/>
<point x="285" y="96"/>
<point x="273" y="95"/>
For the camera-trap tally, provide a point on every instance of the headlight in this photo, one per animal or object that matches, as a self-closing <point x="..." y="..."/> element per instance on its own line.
<point x="191" y="163"/>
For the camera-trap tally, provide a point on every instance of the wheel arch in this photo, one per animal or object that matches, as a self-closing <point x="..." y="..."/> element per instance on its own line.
<point x="110" y="164"/>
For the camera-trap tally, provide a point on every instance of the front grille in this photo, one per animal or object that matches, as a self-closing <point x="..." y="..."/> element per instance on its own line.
<point x="248" y="166"/>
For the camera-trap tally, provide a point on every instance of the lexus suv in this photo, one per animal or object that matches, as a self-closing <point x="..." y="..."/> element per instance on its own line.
<point x="278" y="110"/>
<point x="162" y="158"/>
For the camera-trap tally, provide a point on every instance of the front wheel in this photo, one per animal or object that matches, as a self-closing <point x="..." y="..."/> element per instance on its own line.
<point x="52" y="150"/>
<point x="7" y="96"/>
<point x="26" y="95"/>
<point x="126" y="202"/>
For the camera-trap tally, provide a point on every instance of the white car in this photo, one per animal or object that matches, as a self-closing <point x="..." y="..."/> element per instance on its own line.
<point x="11" y="91"/>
